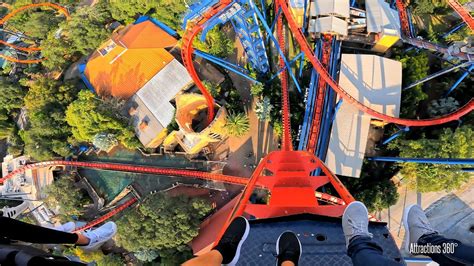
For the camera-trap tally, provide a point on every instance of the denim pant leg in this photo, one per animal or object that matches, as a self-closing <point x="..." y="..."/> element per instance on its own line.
<point x="364" y="251"/>
<point x="453" y="252"/>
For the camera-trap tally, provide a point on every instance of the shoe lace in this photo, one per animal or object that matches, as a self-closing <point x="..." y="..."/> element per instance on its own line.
<point x="358" y="228"/>
<point x="93" y="236"/>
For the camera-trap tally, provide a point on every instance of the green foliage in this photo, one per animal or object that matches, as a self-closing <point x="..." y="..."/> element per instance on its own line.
<point x="429" y="177"/>
<point x="442" y="106"/>
<point x="15" y="144"/>
<point x="80" y="35"/>
<point x="256" y="89"/>
<point x="168" y="12"/>
<point x="374" y="187"/>
<point x="161" y="223"/>
<point x="67" y="196"/>
<point x="11" y="100"/>
<point x="104" y="141"/>
<point x="214" y="89"/>
<point x="423" y="7"/>
<point x="415" y="67"/>
<point x="237" y="125"/>
<point x="278" y="128"/>
<point x="263" y="109"/>
<point x="95" y="256"/>
<point x="89" y="116"/>
<point x="36" y="24"/>
<point x="147" y="255"/>
<point x="459" y="35"/>
<point x="217" y="43"/>
<point x="46" y="102"/>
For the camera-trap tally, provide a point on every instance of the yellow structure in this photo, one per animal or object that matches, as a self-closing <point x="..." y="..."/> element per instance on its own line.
<point x="297" y="10"/>
<point x="194" y="134"/>
<point x="384" y="42"/>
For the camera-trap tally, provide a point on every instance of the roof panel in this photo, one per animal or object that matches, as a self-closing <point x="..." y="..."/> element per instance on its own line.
<point x="381" y="18"/>
<point x="331" y="24"/>
<point x="374" y="81"/>
<point x="163" y="87"/>
<point x="335" y="7"/>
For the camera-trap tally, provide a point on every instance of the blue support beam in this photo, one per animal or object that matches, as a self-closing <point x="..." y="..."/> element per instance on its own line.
<point x="284" y="68"/>
<point x="448" y="161"/>
<point x="454" y="29"/>
<point x="456" y="84"/>
<point x="396" y="135"/>
<point x="272" y="37"/>
<point x="336" y="109"/>
<point x="227" y="65"/>
<point x="272" y="28"/>
<point x="437" y="74"/>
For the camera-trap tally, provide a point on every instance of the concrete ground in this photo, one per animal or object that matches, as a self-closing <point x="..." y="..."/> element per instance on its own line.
<point x="457" y="205"/>
<point x="246" y="152"/>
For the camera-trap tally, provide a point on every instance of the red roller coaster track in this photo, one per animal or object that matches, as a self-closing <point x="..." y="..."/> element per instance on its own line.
<point x="27" y="49"/>
<point x="462" y="12"/>
<point x="318" y="108"/>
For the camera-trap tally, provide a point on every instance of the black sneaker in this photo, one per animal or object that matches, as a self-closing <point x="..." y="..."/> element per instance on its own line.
<point x="232" y="240"/>
<point x="288" y="248"/>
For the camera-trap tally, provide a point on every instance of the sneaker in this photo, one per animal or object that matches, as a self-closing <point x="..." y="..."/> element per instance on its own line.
<point x="232" y="240"/>
<point x="67" y="227"/>
<point x="99" y="236"/>
<point x="416" y="225"/>
<point x="288" y="248"/>
<point x="355" y="221"/>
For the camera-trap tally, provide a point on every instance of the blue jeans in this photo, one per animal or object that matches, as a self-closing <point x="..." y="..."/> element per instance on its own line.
<point x="364" y="251"/>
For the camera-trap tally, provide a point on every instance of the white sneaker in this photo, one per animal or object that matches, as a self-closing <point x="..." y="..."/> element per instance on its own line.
<point x="99" y="236"/>
<point x="67" y="227"/>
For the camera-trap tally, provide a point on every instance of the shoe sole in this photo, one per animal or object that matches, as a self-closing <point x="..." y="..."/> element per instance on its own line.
<point x="407" y="230"/>
<point x="344" y="213"/>
<point x="100" y="243"/>
<point x="237" y="252"/>
<point x="278" y="241"/>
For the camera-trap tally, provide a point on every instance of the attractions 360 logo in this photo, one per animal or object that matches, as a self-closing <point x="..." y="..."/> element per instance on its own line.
<point x="445" y="248"/>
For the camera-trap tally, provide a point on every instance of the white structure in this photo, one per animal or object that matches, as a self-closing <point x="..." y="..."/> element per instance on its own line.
<point x="29" y="185"/>
<point x="331" y="24"/>
<point x="383" y="21"/>
<point x="329" y="17"/>
<point x="374" y="81"/>
<point x="339" y="8"/>
<point x="150" y="107"/>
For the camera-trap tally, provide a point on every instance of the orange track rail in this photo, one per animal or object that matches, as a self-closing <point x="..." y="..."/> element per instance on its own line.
<point x="192" y="30"/>
<point x="287" y="144"/>
<point x="133" y="169"/>
<point x="462" y="12"/>
<point x="318" y="108"/>
<point x="107" y="216"/>
<point x="305" y="47"/>
<point x="28" y="49"/>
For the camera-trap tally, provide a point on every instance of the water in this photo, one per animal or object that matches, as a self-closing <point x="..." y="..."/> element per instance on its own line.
<point x="110" y="183"/>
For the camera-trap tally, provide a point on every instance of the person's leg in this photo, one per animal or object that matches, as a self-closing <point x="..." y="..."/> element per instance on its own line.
<point x="90" y="240"/>
<point x="288" y="248"/>
<point x="17" y="230"/>
<point x="227" y="251"/>
<point x="360" y="246"/>
<point x="421" y="238"/>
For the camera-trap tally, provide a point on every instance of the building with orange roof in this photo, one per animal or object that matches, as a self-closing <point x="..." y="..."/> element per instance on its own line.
<point x="135" y="65"/>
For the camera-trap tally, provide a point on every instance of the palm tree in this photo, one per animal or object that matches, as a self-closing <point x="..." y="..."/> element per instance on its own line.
<point x="237" y="125"/>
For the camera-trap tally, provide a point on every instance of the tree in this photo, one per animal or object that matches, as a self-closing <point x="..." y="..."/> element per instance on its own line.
<point x="217" y="43"/>
<point x="168" y="12"/>
<point x="442" y="106"/>
<point x="256" y="89"/>
<point x="83" y="32"/>
<point x="67" y="196"/>
<point x="423" y="7"/>
<point x="415" y="67"/>
<point x="436" y="177"/>
<point x="278" y="128"/>
<point x="89" y="116"/>
<point x="237" y="125"/>
<point x="161" y="223"/>
<point x="36" y="24"/>
<point x="104" y="141"/>
<point x="48" y="133"/>
<point x="147" y="255"/>
<point x="11" y="95"/>
<point x="374" y="186"/>
<point x="263" y="109"/>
